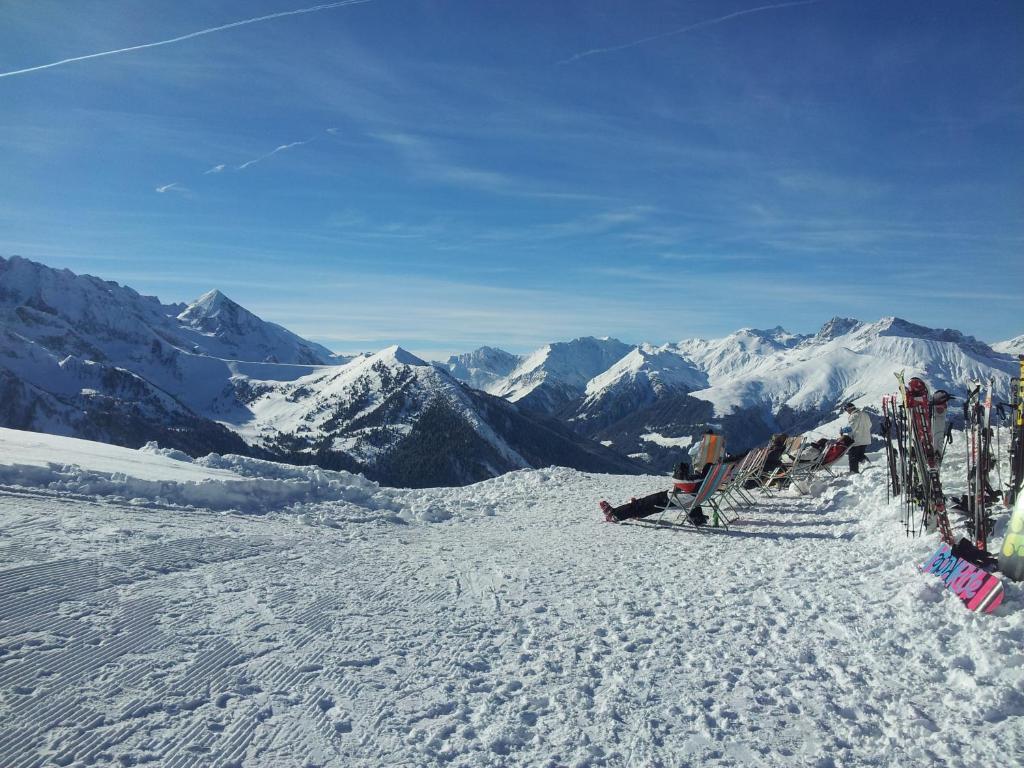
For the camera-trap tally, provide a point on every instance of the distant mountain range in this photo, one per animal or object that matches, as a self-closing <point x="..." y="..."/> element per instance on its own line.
<point x="89" y="358"/>
<point x="84" y="357"/>
<point x="654" y="401"/>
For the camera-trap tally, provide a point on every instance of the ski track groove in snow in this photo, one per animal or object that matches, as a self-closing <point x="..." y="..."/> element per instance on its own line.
<point x="530" y="634"/>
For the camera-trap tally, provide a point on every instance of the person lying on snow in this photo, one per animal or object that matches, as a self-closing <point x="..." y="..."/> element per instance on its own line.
<point x="654" y="504"/>
<point x="705" y="454"/>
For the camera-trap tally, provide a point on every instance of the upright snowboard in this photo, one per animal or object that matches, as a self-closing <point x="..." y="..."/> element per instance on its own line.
<point x="980" y="590"/>
<point x="1011" y="556"/>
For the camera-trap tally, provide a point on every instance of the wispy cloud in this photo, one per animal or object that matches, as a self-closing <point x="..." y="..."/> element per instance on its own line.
<point x="682" y="30"/>
<point x="189" y="36"/>
<point x="271" y="153"/>
<point x="429" y="160"/>
<point x="216" y="169"/>
<point x="172" y="187"/>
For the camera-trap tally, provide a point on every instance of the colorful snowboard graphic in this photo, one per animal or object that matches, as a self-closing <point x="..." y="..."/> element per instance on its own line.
<point x="1011" y="556"/>
<point x="980" y="590"/>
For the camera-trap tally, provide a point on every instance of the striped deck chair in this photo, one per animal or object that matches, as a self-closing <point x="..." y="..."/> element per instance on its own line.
<point x="712" y="448"/>
<point x="803" y="471"/>
<point x="685" y="502"/>
<point x="721" y="500"/>
<point x="749" y="467"/>
<point x="778" y="474"/>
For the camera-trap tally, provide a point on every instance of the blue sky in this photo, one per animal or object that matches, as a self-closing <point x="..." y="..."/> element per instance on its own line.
<point x="450" y="173"/>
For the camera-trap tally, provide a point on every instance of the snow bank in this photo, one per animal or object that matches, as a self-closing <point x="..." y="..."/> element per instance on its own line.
<point x="42" y="451"/>
<point x="158" y="476"/>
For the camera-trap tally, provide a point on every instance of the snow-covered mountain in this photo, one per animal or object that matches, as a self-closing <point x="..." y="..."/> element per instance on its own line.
<point x="482" y="367"/>
<point x="83" y="357"/>
<point x="739" y="352"/>
<point x="408" y="423"/>
<point x="653" y="401"/>
<point x="235" y="333"/>
<point x="100" y="320"/>
<point x="557" y="374"/>
<point x="86" y="357"/>
<point x="224" y="611"/>
<point x="644" y="376"/>
<point x="1014" y="346"/>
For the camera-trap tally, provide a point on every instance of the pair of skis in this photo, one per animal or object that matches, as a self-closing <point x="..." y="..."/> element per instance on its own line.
<point x="977" y="428"/>
<point x="922" y="486"/>
<point x="903" y="472"/>
<point x="1016" y="435"/>
<point x="890" y="430"/>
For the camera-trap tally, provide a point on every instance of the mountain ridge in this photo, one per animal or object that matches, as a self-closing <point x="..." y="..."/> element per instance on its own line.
<point x="84" y="356"/>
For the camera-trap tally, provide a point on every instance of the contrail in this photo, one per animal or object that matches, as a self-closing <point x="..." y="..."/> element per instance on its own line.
<point x="173" y="186"/>
<point x="282" y="148"/>
<point x="681" y="30"/>
<point x="211" y="30"/>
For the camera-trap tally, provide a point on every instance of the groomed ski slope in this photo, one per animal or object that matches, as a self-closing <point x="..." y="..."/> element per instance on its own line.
<point x="500" y="624"/>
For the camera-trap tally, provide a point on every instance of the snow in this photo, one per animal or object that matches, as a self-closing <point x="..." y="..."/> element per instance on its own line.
<point x="309" y="404"/>
<point x="154" y="476"/>
<point x="668" y="442"/>
<point x="570" y="364"/>
<point x="501" y="624"/>
<point x="35" y="449"/>
<point x="1014" y="346"/>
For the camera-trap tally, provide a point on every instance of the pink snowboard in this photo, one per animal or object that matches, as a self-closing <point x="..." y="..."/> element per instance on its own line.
<point x="980" y="590"/>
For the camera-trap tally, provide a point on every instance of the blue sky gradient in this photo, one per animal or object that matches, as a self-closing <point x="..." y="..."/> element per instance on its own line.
<point x="450" y="173"/>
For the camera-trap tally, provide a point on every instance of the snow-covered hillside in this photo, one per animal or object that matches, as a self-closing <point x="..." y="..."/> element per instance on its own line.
<point x="100" y="320"/>
<point x="156" y="610"/>
<point x="558" y="373"/>
<point x="750" y="383"/>
<point x="87" y="358"/>
<point x="482" y="367"/>
<point x="1014" y="346"/>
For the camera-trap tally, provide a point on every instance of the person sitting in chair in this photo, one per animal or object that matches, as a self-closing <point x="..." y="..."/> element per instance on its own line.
<point x="708" y="452"/>
<point x="809" y="453"/>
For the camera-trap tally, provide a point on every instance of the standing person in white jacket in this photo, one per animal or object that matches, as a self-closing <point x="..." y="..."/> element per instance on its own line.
<point x="860" y="431"/>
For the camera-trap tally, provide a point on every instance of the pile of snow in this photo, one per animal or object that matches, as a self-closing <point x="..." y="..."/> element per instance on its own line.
<point x="155" y="476"/>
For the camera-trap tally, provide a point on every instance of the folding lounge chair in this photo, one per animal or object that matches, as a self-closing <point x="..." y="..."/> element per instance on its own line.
<point x="834" y="450"/>
<point x="685" y="501"/>
<point x="749" y="468"/>
<point x="834" y="459"/>
<point x="803" y="471"/>
<point x="731" y="494"/>
<point x="779" y="473"/>
<point x="721" y="500"/>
